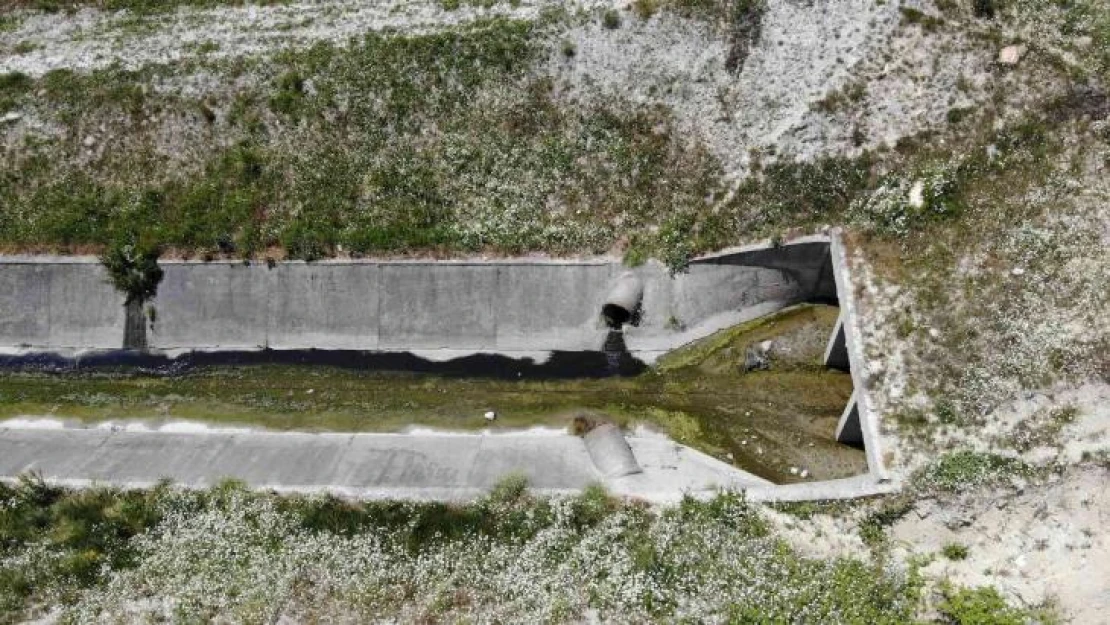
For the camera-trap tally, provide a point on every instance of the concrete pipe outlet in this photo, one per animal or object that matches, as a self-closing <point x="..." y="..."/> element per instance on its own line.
<point x="622" y="304"/>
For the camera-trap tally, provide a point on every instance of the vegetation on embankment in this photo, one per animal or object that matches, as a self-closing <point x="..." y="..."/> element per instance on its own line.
<point x="135" y="6"/>
<point x="255" y="557"/>
<point x="763" y="421"/>
<point x="380" y="147"/>
<point x="450" y="142"/>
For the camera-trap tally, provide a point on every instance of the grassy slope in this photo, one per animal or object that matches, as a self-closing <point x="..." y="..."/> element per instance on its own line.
<point x="377" y="148"/>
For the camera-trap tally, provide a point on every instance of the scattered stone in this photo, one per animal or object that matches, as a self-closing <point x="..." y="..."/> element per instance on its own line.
<point x="917" y="194"/>
<point x="490" y="415"/>
<point x="1010" y="55"/>
<point x="755" y="360"/>
<point x="1017" y="271"/>
<point x="10" y="117"/>
<point x="90" y="141"/>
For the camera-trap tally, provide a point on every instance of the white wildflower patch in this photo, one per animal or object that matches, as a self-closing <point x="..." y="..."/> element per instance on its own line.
<point x="901" y="203"/>
<point x="244" y="557"/>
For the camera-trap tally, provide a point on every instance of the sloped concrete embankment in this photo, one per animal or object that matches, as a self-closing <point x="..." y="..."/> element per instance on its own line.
<point x="421" y="465"/>
<point x="445" y="308"/>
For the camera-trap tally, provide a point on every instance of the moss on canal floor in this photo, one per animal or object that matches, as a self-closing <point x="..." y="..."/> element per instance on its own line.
<point x="762" y="421"/>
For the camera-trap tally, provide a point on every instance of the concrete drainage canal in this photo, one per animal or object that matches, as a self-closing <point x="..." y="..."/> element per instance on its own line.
<point x="745" y="360"/>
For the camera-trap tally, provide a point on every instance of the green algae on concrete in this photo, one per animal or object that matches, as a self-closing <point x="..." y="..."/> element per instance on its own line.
<point x="765" y="422"/>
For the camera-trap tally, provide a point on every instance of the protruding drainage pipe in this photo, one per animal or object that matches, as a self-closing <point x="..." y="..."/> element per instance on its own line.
<point x="610" y="451"/>
<point x="622" y="305"/>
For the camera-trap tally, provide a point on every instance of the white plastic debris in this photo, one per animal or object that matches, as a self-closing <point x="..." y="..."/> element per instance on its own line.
<point x="793" y="470"/>
<point x="804" y="474"/>
<point x="490" y="415"/>
<point x="1017" y="271"/>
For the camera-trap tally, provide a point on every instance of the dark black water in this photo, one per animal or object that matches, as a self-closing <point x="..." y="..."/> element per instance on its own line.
<point x="612" y="360"/>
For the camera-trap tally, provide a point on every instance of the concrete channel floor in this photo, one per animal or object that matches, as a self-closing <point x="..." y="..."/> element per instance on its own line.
<point x="417" y="465"/>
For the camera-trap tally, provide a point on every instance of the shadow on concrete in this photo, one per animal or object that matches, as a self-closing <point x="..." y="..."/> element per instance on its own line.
<point x="809" y="264"/>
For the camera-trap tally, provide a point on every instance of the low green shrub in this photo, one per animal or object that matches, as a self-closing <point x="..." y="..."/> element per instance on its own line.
<point x="979" y="606"/>
<point x="954" y="551"/>
<point x="967" y="469"/>
<point x="611" y="19"/>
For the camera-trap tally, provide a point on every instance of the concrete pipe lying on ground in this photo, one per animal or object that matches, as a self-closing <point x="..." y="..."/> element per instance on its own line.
<point x="622" y="304"/>
<point x="610" y="451"/>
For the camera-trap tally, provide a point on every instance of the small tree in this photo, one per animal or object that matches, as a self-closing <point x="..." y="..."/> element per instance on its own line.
<point x="133" y="267"/>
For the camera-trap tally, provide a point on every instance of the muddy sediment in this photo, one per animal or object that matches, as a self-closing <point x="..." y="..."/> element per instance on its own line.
<point x="776" y="421"/>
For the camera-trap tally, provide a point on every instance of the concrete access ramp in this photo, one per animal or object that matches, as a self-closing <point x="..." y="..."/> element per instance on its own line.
<point x="440" y="309"/>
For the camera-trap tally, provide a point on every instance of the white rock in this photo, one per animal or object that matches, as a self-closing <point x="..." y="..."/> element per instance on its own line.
<point x="793" y="470"/>
<point x="90" y="141"/>
<point x="490" y="415"/>
<point x="10" y="117"/>
<point x="1017" y="271"/>
<point x="804" y="473"/>
<point x="917" y="194"/>
<point x="934" y="333"/>
<point x="1010" y="55"/>
<point x="311" y="391"/>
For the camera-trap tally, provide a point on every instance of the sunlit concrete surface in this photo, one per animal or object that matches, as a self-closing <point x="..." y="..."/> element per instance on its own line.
<point x="417" y="465"/>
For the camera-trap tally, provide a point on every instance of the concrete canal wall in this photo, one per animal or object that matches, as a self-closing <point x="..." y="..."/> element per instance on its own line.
<point x="501" y="306"/>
